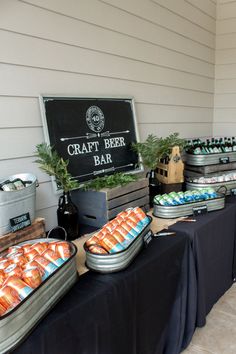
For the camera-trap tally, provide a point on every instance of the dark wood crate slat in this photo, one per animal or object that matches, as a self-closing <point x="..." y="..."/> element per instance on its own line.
<point x="127" y="197"/>
<point x="118" y="191"/>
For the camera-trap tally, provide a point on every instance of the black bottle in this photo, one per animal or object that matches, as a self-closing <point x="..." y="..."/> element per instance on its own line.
<point x="154" y="186"/>
<point x="67" y="216"/>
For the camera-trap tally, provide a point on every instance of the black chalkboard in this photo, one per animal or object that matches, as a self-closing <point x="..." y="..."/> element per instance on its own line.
<point x="94" y="134"/>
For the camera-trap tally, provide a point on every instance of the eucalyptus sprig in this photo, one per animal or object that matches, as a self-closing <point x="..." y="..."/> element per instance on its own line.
<point x="154" y="148"/>
<point x="117" y="179"/>
<point x="50" y="162"/>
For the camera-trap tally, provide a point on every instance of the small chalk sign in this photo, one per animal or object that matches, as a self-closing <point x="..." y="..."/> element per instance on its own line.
<point x="20" y="222"/>
<point x="94" y="134"/>
<point x="224" y="160"/>
<point x="147" y="238"/>
<point x="200" y="210"/>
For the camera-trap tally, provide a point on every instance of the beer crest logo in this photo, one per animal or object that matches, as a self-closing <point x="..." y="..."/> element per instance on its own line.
<point x="95" y="119"/>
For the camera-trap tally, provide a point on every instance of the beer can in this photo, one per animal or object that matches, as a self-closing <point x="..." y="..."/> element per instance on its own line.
<point x="141" y="216"/>
<point x="97" y="249"/>
<point x="19" y="259"/>
<point x="110" y="244"/>
<point x="32" y="277"/>
<point x="163" y="202"/>
<point x="118" y="236"/>
<point x="13" y="249"/>
<point x="31" y="254"/>
<point x="26" y="247"/>
<point x="2" y="310"/>
<point x="52" y="245"/>
<point x="114" y="223"/>
<point x="7" y="186"/>
<point x="12" y="269"/>
<point x="119" y="219"/>
<point x="47" y="266"/>
<point x="18" y="183"/>
<point x="131" y="231"/>
<point x="92" y="241"/>
<point x="123" y="214"/>
<point x="22" y="289"/>
<point x="134" y="226"/>
<point x="9" y="297"/>
<point x="125" y="233"/>
<point x="40" y="247"/>
<point x="53" y="257"/>
<point x="34" y="264"/>
<point x="63" y="249"/>
<point x="5" y="263"/>
<point x="2" y="277"/>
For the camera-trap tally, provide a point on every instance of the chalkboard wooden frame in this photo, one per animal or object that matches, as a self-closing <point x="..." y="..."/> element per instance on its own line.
<point x="89" y="144"/>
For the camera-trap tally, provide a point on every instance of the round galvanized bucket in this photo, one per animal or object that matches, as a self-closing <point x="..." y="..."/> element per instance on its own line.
<point x="17" y="202"/>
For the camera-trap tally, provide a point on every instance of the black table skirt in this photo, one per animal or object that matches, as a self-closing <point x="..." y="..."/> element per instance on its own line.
<point x="125" y="312"/>
<point x="212" y="240"/>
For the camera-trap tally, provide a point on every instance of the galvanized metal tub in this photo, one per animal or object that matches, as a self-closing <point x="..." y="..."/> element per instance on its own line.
<point x="225" y="186"/>
<point x="176" y="211"/>
<point x="16" y="324"/>
<point x="109" y="263"/>
<point x="210" y="159"/>
<point x="17" y="202"/>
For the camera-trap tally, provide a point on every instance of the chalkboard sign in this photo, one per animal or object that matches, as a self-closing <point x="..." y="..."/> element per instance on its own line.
<point x="94" y="134"/>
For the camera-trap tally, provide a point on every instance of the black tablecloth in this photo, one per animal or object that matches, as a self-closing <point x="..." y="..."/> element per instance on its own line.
<point x="125" y="312"/>
<point x="212" y="239"/>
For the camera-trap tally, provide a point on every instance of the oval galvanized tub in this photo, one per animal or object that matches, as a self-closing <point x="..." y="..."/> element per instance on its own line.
<point x="218" y="186"/>
<point x="109" y="263"/>
<point x="210" y="159"/>
<point x="16" y="324"/>
<point x="176" y="211"/>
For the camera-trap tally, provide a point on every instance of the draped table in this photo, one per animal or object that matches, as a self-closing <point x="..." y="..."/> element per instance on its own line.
<point x="152" y="307"/>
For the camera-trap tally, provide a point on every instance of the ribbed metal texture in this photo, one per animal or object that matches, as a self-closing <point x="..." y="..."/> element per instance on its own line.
<point x="16" y="324"/>
<point x="210" y="159"/>
<point x="218" y="186"/>
<point x="175" y="211"/>
<point x="109" y="263"/>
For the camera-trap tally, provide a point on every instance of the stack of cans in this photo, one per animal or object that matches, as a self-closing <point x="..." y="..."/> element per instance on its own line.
<point x="118" y="233"/>
<point x="23" y="268"/>
<point x="179" y="198"/>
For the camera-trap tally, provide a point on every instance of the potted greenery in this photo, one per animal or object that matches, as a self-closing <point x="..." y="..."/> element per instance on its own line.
<point x="67" y="213"/>
<point x="154" y="150"/>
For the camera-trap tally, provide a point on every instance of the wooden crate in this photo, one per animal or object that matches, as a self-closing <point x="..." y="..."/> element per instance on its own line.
<point x="173" y="171"/>
<point x="97" y="208"/>
<point x="36" y="230"/>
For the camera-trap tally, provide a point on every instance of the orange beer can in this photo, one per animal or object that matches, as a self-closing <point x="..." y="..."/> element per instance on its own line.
<point x="26" y="247"/>
<point x="97" y="249"/>
<point x="118" y="236"/>
<point x="5" y="263"/>
<point x="12" y="269"/>
<point x="22" y="289"/>
<point x="63" y="249"/>
<point x="9" y="297"/>
<point x="19" y="258"/>
<point x="53" y="257"/>
<point x="2" y="277"/>
<point x="34" y="264"/>
<point x="111" y="244"/>
<point x="32" y="277"/>
<point x="40" y="247"/>
<point x="47" y="266"/>
<point x="52" y="245"/>
<point x="31" y="254"/>
<point x="92" y="241"/>
<point x="2" y="310"/>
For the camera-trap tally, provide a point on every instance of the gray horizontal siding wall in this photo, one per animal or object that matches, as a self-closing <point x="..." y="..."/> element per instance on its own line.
<point x="161" y="52"/>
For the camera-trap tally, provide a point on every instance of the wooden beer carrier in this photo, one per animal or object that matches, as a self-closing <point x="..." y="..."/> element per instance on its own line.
<point x="173" y="171"/>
